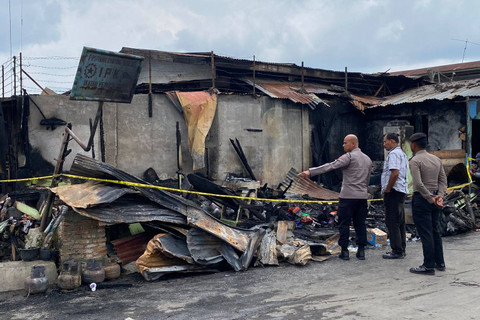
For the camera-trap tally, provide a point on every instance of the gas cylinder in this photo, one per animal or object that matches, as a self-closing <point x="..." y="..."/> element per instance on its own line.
<point x="71" y="275"/>
<point x="94" y="272"/>
<point x="37" y="282"/>
<point x="112" y="270"/>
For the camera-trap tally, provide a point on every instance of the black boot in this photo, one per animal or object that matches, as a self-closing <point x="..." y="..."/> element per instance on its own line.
<point x="344" y="255"/>
<point x="361" y="253"/>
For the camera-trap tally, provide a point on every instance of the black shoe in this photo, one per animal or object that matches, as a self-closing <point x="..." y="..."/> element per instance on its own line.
<point x="440" y="267"/>
<point x="360" y="253"/>
<point x="344" y="255"/>
<point x="393" y="255"/>
<point x="423" y="270"/>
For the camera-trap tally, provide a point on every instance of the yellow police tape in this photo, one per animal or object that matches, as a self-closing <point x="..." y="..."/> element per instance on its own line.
<point x="141" y="185"/>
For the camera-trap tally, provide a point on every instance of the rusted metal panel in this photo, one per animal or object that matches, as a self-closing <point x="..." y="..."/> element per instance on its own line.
<point x="89" y="194"/>
<point x="236" y="237"/>
<point x="290" y="91"/>
<point x="124" y="204"/>
<point x="445" y="68"/>
<point x="106" y="76"/>
<point x="130" y="248"/>
<point x="302" y="185"/>
<point x="441" y="91"/>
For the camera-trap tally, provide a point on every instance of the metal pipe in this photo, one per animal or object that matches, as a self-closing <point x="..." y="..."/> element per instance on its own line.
<point x="14" y="76"/>
<point x="92" y="135"/>
<point x="21" y="83"/>
<point x="254" y="75"/>
<point x="43" y="90"/>
<point x="303" y="78"/>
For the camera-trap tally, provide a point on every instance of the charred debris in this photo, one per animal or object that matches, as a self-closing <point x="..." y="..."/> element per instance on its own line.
<point x="196" y="231"/>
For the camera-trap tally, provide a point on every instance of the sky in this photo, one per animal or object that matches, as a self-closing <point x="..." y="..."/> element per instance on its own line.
<point x="366" y="36"/>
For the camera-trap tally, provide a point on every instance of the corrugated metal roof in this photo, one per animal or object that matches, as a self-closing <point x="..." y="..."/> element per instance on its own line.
<point x="290" y="91"/>
<point x="441" y="91"/>
<point x="444" y="68"/>
<point x="302" y="186"/>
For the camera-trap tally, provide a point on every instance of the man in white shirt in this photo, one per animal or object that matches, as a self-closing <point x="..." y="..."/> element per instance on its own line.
<point x="394" y="189"/>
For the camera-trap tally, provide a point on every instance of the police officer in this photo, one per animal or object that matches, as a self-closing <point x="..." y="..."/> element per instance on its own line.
<point x="356" y="168"/>
<point x="429" y="186"/>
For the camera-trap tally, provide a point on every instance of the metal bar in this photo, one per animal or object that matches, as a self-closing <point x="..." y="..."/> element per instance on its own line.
<point x="212" y="60"/>
<point x="303" y="78"/>
<point x="93" y="144"/>
<point x="254" y="75"/>
<point x="3" y="81"/>
<point x="102" y="140"/>
<point x="92" y="135"/>
<point x="14" y="76"/>
<point x="21" y="83"/>
<point x="150" y="102"/>
<point x="179" y="155"/>
<point x="43" y="90"/>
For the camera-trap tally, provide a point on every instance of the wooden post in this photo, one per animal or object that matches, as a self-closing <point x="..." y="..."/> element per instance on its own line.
<point x="303" y="84"/>
<point x="254" y="75"/>
<point x="21" y="83"/>
<point x="14" y="76"/>
<point x="346" y="80"/>
<point x="150" y="102"/>
<point x="212" y="60"/>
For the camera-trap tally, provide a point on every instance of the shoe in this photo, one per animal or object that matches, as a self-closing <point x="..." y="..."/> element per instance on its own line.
<point x="360" y="253"/>
<point x="344" y="255"/>
<point x="440" y="267"/>
<point x="393" y="255"/>
<point x="423" y="270"/>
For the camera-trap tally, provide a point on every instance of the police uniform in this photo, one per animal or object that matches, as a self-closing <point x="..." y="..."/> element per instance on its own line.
<point x="429" y="179"/>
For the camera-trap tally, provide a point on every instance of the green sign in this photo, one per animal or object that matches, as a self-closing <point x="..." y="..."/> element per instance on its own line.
<point x="106" y="76"/>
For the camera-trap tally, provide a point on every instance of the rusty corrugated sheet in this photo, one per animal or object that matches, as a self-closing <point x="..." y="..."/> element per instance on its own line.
<point x="441" y="91"/>
<point x="89" y="194"/>
<point x="115" y="204"/>
<point x="130" y="248"/>
<point x="290" y="91"/>
<point x="237" y="237"/>
<point x="445" y="68"/>
<point x="302" y="186"/>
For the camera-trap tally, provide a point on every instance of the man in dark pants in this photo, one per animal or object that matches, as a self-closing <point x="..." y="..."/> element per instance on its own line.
<point x="394" y="190"/>
<point x="356" y="168"/>
<point x="429" y="186"/>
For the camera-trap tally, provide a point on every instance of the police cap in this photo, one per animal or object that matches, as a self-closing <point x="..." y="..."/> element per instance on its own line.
<point x="417" y="136"/>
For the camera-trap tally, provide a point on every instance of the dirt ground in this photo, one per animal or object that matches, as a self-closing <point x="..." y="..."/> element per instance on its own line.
<point x="334" y="289"/>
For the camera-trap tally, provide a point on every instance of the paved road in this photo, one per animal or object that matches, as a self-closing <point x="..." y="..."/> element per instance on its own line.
<point x="334" y="289"/>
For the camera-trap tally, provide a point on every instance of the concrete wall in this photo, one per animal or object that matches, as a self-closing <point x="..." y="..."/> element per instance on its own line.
<point x="281" y="145"/>
<point x="135" y="142"/>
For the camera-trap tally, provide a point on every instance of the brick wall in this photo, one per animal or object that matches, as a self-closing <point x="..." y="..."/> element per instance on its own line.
<point x="81" y="238"/>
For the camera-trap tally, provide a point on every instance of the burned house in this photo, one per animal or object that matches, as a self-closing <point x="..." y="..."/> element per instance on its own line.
<point x="220" y="116"/>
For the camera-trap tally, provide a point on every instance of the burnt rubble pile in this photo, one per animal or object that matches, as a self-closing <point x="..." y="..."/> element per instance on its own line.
<point x="246" y="225"/>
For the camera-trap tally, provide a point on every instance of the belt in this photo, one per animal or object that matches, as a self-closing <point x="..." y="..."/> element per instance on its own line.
<point x="432" y="192"/>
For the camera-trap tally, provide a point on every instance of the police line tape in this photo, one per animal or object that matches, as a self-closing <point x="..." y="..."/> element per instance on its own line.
<point x="142" y="185"/>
